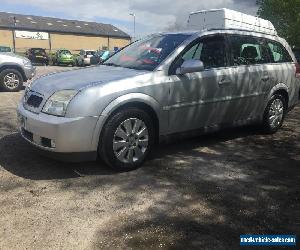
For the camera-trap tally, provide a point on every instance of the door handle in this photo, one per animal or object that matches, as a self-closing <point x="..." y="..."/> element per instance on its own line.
<point x="265" y="78"/>
<point x="224" y="82"/>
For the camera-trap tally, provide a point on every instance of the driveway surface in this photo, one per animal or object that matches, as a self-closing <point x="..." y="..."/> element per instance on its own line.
<point x="198" y="193"/>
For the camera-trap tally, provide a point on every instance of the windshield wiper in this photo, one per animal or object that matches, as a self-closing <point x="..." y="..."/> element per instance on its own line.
<point x="111" y="64"/>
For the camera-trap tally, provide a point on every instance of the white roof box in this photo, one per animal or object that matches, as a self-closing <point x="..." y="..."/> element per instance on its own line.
<point x="228" y="19"/>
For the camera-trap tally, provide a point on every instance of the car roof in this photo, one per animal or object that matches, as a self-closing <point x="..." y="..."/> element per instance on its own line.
<point x="230" y="31"/>
<point x="37" y="49"/>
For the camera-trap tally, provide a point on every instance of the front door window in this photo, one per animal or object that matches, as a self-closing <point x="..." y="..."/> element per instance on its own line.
<point x="211" y="51"/>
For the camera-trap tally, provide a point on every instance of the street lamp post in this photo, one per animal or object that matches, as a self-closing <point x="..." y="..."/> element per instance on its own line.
<point x="13" y="33"/>
<point x="132" y="14"/>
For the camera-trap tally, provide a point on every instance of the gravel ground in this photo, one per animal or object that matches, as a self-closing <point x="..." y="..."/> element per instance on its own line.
<point x="199" y="193"/>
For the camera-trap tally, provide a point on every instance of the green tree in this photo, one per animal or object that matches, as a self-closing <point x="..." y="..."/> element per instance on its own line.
<point x="285" y="15"/>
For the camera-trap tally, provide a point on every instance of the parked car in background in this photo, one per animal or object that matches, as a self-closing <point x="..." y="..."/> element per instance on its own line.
<point x="62" y="57"/>
<point x="297" y="54"/>
<point x="14" y="70"/>
<point x="96" y="58"/>
<point x="84" y="58"/>
<point x="100" y="56"/>
<point x="5" y="49"/>
<point x="37" y="55"/>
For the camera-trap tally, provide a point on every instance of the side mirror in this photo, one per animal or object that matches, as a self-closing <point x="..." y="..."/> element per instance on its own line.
<point x="190" y="66"/>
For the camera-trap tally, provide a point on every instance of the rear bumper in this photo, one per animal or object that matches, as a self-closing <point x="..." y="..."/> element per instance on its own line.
<point x="57" y="134"/>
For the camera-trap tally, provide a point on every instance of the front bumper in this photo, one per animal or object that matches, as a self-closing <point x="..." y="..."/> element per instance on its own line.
<point x="65" y="61"/>
<point x="57" y="134"/>
<point x="40" y="59"/>
<point x="29" y="72"/>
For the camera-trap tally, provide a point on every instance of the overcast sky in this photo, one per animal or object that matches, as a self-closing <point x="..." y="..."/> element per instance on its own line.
<point x="151" y="16"/>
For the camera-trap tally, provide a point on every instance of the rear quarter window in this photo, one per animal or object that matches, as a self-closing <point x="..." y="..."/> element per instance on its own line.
<point x="278" y="52"/>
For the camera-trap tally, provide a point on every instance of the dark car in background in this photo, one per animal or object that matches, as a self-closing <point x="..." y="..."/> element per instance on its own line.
<point x="63" y="57"/>
<point x="297" y="54"/>
<point x="37" y="55"/>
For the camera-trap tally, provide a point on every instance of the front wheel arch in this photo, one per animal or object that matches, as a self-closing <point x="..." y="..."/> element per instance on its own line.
<point x="140" y="100"/>
<point x="142" y="106"/>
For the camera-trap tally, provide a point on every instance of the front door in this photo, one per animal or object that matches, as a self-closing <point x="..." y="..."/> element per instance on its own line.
<point x="201" y="99"/>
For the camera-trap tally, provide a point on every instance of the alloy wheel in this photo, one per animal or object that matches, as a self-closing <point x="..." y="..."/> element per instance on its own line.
<point x="130" y="140"/>
<point x="11" y="81"/>
<point x="276" y="113"/>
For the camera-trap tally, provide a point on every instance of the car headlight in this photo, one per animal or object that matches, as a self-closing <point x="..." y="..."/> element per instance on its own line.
<point x="57" y="104"/>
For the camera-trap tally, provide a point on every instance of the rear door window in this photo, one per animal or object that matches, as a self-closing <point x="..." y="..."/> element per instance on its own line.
<point x="278" y="53"/>
<point x="248" y="50"/>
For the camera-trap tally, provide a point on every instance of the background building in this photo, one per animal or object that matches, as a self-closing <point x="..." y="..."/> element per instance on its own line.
<point x="26" y="31"/>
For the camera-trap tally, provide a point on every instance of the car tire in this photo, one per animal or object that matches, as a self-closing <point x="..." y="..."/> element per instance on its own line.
<point x="127" y="139"/>
<point x="7" y="82"/>
<point x="274" y="114"/>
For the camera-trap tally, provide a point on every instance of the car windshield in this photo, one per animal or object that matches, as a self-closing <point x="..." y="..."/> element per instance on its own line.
<point x="65" y="52"/>
<point x="148" y="53"/>
<point x="99" y="53"/>
<point x="39" y="51"/>
<point x="5" y="49"/>
<point x="90" y="53"/>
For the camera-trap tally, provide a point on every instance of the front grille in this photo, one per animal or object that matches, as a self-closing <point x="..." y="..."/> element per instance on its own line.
<point x="34" y="101"/>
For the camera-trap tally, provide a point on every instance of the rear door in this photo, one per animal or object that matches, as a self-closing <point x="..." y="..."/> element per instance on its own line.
<point x="250" y="61"/>
<point x="282" y="68"/>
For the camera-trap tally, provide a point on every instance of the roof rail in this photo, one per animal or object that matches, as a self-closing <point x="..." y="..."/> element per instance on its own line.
<point x="246" y="30"/>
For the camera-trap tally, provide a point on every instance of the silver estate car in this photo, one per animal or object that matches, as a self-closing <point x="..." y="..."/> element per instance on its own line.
<point x="164" y="84"/>
<point x="14" y="71"/>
